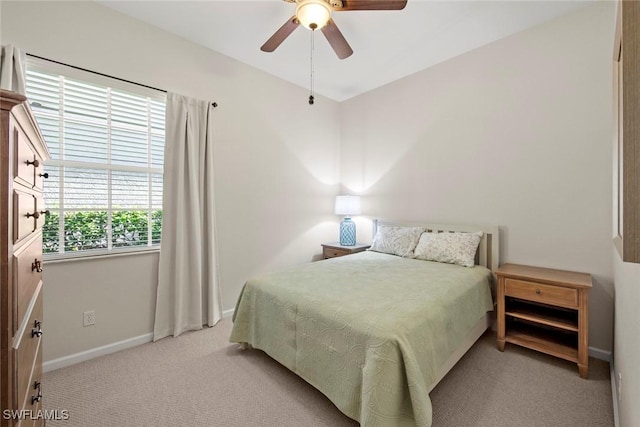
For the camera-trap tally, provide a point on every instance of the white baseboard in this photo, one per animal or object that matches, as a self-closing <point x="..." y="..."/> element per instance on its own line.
<point x="614" y="394"/>
<point x="83" y="356"/>
<point x="600" y="354"/>
<point x="607" y="356"/>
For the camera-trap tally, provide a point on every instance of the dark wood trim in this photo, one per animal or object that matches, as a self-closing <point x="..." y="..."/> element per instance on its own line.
<point x="628" y="32"/>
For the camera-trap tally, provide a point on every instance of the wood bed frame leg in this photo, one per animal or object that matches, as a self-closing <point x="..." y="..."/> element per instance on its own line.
<point x="501" y="344"/>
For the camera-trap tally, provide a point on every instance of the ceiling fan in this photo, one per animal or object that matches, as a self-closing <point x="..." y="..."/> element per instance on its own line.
<point x="316" y="15"/>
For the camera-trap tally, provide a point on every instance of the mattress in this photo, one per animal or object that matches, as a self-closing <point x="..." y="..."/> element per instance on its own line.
<point x="368" y="330"/>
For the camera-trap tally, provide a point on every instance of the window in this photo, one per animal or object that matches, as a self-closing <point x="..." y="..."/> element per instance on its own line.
<point x="106" y="138"/>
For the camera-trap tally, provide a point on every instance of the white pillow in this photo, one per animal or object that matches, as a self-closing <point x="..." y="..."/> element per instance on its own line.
<point x="452" y="248"/>
<point x="399" y="241"/>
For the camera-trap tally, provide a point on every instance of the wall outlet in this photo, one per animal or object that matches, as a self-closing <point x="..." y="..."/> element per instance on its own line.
<point x="619" y="385"/>
<point x="89" y="318"/>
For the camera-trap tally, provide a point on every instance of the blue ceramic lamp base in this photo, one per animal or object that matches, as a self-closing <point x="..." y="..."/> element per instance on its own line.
<point x="347" y="232"/>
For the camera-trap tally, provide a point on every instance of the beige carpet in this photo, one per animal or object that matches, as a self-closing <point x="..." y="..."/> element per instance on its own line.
<point x="199" y="379"/>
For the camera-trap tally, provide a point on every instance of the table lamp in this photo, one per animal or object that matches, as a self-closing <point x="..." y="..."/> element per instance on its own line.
<point x="348" y="206"/>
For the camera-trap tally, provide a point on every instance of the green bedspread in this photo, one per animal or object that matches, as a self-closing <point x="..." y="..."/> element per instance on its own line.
<point x="368" y="330"/>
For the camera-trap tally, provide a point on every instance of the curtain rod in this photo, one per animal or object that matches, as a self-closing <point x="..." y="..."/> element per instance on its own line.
<point x="214" y="104"/>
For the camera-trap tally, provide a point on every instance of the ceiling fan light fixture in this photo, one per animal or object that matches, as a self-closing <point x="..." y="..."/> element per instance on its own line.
<point x="313" y="14"/>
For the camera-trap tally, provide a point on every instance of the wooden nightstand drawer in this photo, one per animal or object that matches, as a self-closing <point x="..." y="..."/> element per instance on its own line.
<point x="546" y="294"/>
<point x="334" y="250"/>
<point x="332" y="253"/>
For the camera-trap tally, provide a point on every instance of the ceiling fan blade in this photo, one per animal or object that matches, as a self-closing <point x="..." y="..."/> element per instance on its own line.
<point x="279" y="36"/>
<point x="337" y="40"/>
<point x="371" y="5"/>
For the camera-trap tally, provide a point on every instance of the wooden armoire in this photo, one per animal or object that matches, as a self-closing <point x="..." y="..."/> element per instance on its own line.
<point x="22" y="214"/>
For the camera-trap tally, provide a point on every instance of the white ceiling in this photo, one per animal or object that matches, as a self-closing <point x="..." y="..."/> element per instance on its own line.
<point x="387" y="45"/>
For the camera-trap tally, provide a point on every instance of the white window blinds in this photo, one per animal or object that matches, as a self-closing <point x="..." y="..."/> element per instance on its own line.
<point x="104" y="190"/>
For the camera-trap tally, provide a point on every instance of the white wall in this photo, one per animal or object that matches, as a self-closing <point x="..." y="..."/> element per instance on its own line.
<point x="627" y="339"/>
<point x="276" y="170"/>
<point x="516" y="134"/>
<point x="120" y="289"/>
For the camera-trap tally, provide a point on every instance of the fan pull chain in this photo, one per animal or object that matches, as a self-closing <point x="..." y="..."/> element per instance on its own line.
<point x="311" y="73"/>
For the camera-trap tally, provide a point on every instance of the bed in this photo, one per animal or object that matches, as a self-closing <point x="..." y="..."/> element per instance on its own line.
<point x="374" y="332"/>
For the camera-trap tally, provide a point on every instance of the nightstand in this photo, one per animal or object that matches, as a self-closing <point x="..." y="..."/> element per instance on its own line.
<point x="545" y="310"/>
<point x="333" y="250"/>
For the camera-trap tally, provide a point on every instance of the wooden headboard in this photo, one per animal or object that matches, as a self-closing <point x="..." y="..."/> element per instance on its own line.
<point x="488" y="254"/>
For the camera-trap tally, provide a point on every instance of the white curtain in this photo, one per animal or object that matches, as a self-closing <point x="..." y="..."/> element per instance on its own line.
<point x="12" y="63"/>
<point x="188" y="288"/>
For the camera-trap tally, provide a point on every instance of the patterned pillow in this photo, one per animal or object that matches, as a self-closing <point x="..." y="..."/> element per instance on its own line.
<point x="399" y="241"/>
<point x="452" y="248"/>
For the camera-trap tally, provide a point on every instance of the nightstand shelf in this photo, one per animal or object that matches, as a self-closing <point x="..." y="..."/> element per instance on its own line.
<point x="545" y="310"/>
<point x="335" y="249"/>
<point x="544" y="315"/>
<point x="558" y="345"/>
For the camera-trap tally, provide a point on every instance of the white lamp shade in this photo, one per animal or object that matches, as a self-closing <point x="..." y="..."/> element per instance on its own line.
<point x="348" y="205"/>
<point x="313" y="14"/>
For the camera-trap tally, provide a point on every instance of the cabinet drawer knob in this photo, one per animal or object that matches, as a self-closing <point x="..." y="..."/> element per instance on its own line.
<point x="44" y="175"/>
<point x="37" y="214"/>
<point x="538" y="291"/>
<point x="36" y="266"/>
<point x="35" y="163"/>
<point x="37" y="329"/>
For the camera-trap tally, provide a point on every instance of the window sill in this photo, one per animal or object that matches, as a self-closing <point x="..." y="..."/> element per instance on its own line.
<point x="94" y="255"/>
